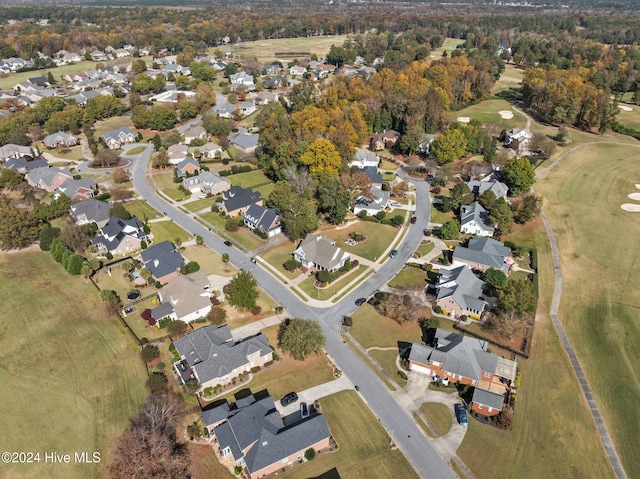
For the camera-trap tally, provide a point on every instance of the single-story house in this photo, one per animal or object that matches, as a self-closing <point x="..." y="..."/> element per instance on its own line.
<point x="320" y="252"/>
<point x="60" y="139"/>
<point x="483" y="253"/>
<point x="256" y="438"/>
<point x="372" y="205"/>
<point x="459" y="292"/>
<point x="118" y="137"/>
<point x="386" y="139"/>
<point x="188" y="166"/>
<point x="177" y="153"/>
<point x="207" y="182"/>
<point x="47" y="178"/>
<point x="193" y="133"/>
<point x="120" y="236"/>
<point x="498" y="188"/>
<point x="215" y="358"/>
<point x="474" y="220"/>
<point x="364" y="158"/>
<point x="163" y="260"/>
<point x="188" y="296"/>
<point x="25" y="164"/>
<point x="245" y="141"/>
<point x="265" y="220"/>
<point x="237" y="199"/>
<point x="465" y="360"/>
<point x="90" y="211"/>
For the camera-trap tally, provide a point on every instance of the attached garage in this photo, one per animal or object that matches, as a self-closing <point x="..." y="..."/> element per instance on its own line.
<point x="420" y="369"/>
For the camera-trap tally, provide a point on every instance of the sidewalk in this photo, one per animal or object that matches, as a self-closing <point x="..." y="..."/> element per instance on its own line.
<point x="254" y="328"/>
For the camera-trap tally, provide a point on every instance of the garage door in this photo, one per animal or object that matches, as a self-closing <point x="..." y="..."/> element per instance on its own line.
<point x="421" y="369"/>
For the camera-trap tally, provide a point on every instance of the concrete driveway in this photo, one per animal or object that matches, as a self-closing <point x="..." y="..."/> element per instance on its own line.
<point x="310" y="395"/>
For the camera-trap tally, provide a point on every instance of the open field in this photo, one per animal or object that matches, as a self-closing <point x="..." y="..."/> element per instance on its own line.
<point x="83" y="378"/>
<point x="164" y="182"/>
<point x="168" y="230"/>
<point x="364" y="444"/>
<point x="600" y="299"/>
<point x="448" y="45"/>
<point x="511" y="78"/>
<point x="379" y="237"/>
<point x="265" y="50"/>
<point x="439" y="415"/>
<point x="554" y="434"/>
<point x="326" y="293"/>
<point x="371" y="329"/>
<point x="140" y="208"/>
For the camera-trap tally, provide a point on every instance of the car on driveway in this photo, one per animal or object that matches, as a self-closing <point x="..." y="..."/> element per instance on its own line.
<point x="461" y="414"/>
<point x="393" y="253"/>
<point x="228" y="243"/>
<point x="304" y="410"/>
<point x="289" y="399"/>
<point x="395" y="203"/>
<point x="360" y="301"/>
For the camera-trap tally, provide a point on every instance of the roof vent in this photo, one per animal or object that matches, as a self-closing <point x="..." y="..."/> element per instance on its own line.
<point x="265" y="443"/>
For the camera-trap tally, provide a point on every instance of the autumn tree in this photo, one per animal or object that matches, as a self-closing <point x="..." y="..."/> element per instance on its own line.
<point x="400" y="307"/>
<point x="242" y="290"/>
<point x="149" y="352"/>
<point x="120" y="175"/>
<point x="449" y="146"/>
<point x="301" y="337"/>
<point x="217" y="316"/>
<point x="322" y="157"/>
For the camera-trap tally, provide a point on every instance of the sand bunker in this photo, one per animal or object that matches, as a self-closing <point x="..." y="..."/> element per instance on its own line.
<point x="625" y="108"/>
<point x="635" y="196"/>
<point x="638" y="185"/>
<point x="506" y="114"/>
<point x="464" y="119"/>
<point x="631" y="207"/>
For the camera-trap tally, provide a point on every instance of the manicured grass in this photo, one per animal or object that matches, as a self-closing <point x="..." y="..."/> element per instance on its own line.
<point x="140" y="208"/>
<point x="277" y="256"/>
<point x="139" y="326"/>
<point x="425" y="248"/>
<point x="7" y="82"/>
<point x="371" y="329"/>
<point x="116" y="281"/>
<point x="387" y="359"/>
<point x="210" y="261"/>
<point x="388" y="176"/>
<point x="448" y="45"/>
<point x="599" y="264"/>
<point x="265" y="50"/>
<point x="168" y="230"/>
<point x="487" y="111"/>
<point x="388" y="165"/>
<point x="409" y="277"/>
<point x="65" y="366"/>
<point x="238" y="318"/>
<point x="103" y="126"/>
<point x="326" y="293"/>
<point x="265" y="190"/>
<point x="630" y="119"/>
<point x="73" y="153"/>
<point x="243" y="235"/>
<point x="438" y="216"/>
<point x="379" y="237"/>
<point x="135" y="151"/>
<point x="364" y="451"/>
<point x="198" y="205"/>
<point x="250" y="179"/>
<point x="439" y="415"/>
<point x="205" y="464"/>
<point x="164" y="182"/>
<point x="289" y="375"/>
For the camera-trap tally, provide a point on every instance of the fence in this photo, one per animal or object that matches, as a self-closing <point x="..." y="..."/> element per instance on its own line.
<point x="523" y="354"/>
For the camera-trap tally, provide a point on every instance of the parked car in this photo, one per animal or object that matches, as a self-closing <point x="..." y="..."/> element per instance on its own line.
<point x="393" y="253"/>
<point x="395" y="203"/>
<point x="228" y="243"/>
<point x="304" y="410"/>
<point x="461" y="414"/>
<point x="413" y="220"/>
<point x="360" y="301"/>
<point x="202" y="196"/>
<point x="253" y="260"/>
<point x="289" y="399"/>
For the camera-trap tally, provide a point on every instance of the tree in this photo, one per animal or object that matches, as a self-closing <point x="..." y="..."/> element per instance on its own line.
<point x="526" y="209"/>
<point x="518" y="175"/>
<point x="495" y="278"/>
<point x="191" y="386"/>
<point x="74" y="264"/>
<point x="460" y="195"/>
<point x="518" y="296"/>
<point x="176" y="327"/>
<point x="502" y="216"/>
<point x="217" y="316"/>
<point x="118" y="210"/>
<point x="138" y="66"/>
<point x="451" y="229"/>
<point x="9" y="178"/>
<point x="215" y="125"/>
<point x="46" y="236"/>
<point x="120" y="175"/>
<point x="301" y="337"/>
<point x="160" y="159"/>
<point x="157" y="383"/>
<point x="110" y="299"/>
<point x="449" y="146"/>
<point x="105" y="159"/>
<point x="322" y="157"/>
<point x="145" y="273"/>
<point x="487" y="199"/>
<point x="410" y="141"/>
<point x="399" y="307"/>
<point x="242" y="290"/>
<point x="149" y="352"/>
<point x="191" y="267"/>
<point x="231" y="224"/>
<point x="202" y="71"/>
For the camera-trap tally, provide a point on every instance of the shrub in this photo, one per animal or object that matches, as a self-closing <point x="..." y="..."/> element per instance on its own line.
<point x="157" y="382"/>
<point x="534" y="259"/>
<point x="437" y="309"/>
<point x="278" y="309"/>
<point x="256" y="310"/>
<point x="310" y="454"/>
<point x="347" y="321"/>
<point x="149" y="353"/>
<point x="231" y="225"/>
<point x="158" y="285"/>
<point x="109" y="256"/>
<point x="143" y="244"/>
<point x="403" y="375"/>
<point x="163" y="323"/>
<point x="291" y="265"/>
<point x="255" y="369"/>
<point x="238" y="470"/>
<point x="268" y="363"/>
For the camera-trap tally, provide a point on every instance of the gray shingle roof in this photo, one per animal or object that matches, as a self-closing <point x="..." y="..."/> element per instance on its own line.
<point x="484" y="251"/>
<point x="162" y="259"/>
<point x="260" y="217"/>
<point x="59" y="137"/>
<point x="478" y="187"/>
<point x="372" y="173"/>
<point x="463" y="286"/>
<point x="114" y="232"/>
<point x="162" y="311"/>
<point x="238" y="197"/>
<point x="487" y="398"/>
<point x="23" y="165"/>
<point x="474" y="212"/>
<point x="321" y="251"/>
<point x="187" y="293"/>
<point x="92" y="210"/>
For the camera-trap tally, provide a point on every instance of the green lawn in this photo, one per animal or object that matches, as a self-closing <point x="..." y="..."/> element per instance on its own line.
<point x="251" y="179"/>
<point x="265" y="190"/>
<point x="326" y="293"/>
<point x="73" y="153"/>
<point x="243" y="235"/>
<point x="103" y="126"/>
<point x="164" y="182"/>
<point x="387" y="359"/>
<point x="265" y="50"/>
<point x="140" y="208"/>
<point x="139" y="325"/>
<point x="425" y="248"/>
<point x="168" y="230"/>
<point x="210" y="261"/>
<point x="240" y="318"/>
<point x="448" y="45"/>
<point x="630" y="119"/>
<point x="487" y="111"/>
<point x="277" y="256"/>
<point x="388" y="165"/>
<point x="379" y="237"/>
<point x="371" y="329"/>
<point x="364" y="451"/>
<point x="136" y="150"/>
<point x="439" y="415"/>
<point x="409" y="277"/>
<point x="438" y="216"/>
<point x="116" y="281"/>
<point x="64" y="365"/>
<point x="198" y="205"/>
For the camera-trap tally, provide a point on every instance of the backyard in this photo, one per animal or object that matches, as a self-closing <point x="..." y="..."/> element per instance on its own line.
<point x="85" y="372"/>
<point x="364" y="444"/>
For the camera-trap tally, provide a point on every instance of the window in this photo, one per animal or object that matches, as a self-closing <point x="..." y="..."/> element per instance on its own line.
<point x="486" y="374"/>
<point x="226" y="451"/>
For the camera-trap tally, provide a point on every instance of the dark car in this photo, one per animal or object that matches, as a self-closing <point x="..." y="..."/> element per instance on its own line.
<point x="360" y="301"/>
<point x="393" y="253"/>
<point x="253" y="260"/>
<point x="288" y="399"/>
<point x="413" y="220"/>
<point x="461" y="413"/>
<point x="228" y="243"/>
<point x="304" y="410"/>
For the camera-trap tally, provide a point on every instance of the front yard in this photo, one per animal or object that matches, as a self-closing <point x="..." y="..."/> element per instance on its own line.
<point x="210" y="261"/>
<point x="243" y="235"/>
<point x="379" y="237"/>
<point x="372" y="329"/>
<point x="141" y="209"/>
<point x="164" y="182"/>
<point x="409" y="278"/>
<point x="277" y="256"/>
<point x="168" y="230"/>
<point x="326" y="293"/>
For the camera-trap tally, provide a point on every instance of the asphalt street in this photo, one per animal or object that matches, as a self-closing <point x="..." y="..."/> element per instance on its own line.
<point x="400" y="425"/>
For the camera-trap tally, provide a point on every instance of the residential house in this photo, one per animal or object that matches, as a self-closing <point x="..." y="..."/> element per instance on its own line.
<point x="483" y="253"/>
<point x="90" y="211"/>
<point x="265" y="97"/>
<point x="215" y="358"/>
<point x="207" y="182"/>
<point x="320" y="252"/>
<point x="498" y="188"/>
<point x="228" y="110"/>
<point x="118" y="137"/>
<point x="177" y="153"/>
<point x="78" y="190"/>
<point x="193" y="133"/>
<point x="188" y="296"/>
<point x="91" y="90"/>
<point x="122" y="53"/>
<point x="273" y="69"/>
<point x="265" y="220"/>
<point x="386" y="139"/>
<point x="474" y="220"/>
<point x="98" y="56"/>
<point x="465" y="360"/>
<point x="237" y="200"/>
<point x="172" y="96"/>
<point x="296" y="71"/>
<point x="25" y="164"/>
<point x="242" y="79"/>
<point x="60" y="139"/>
<point x="373" y="204"/>
<point x="14" y="151"/>
<point x="120" y="236"/>
<point x="15" y="64"/>
<point x="459" y="292"/>
<point x="364" y="158"/>
<point x="371" y="172"/>
<point x="522" y="138"/>
<point x="247" y="108"/>
<point x="187" y="167"/>
<point x="245" y="141"/>
<point x="256" y="437"/>
<point x="47" y="178"/>
<point x="275" y="82"/>
<point x="424" y="147"/>
<point x="163" y="260"/>
<point x="208" y="150"/>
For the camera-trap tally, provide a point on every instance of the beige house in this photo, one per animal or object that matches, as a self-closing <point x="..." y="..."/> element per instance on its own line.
<point x="320" y="252"/>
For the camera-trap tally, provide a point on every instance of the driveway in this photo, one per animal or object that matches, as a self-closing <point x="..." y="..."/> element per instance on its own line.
<point x="317" y="392"/>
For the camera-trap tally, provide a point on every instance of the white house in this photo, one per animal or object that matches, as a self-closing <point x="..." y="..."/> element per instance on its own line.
<point x="188" y="295"/>
<point x="364" y="158"/>
<point x="474" y="220"/>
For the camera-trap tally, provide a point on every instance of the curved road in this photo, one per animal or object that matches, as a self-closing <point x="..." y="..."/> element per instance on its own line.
<point x="406" y="434"/>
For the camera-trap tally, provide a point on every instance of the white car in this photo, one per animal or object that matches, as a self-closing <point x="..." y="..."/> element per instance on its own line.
<point x="396" y="203"/>
<point x="202" y="196"/>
